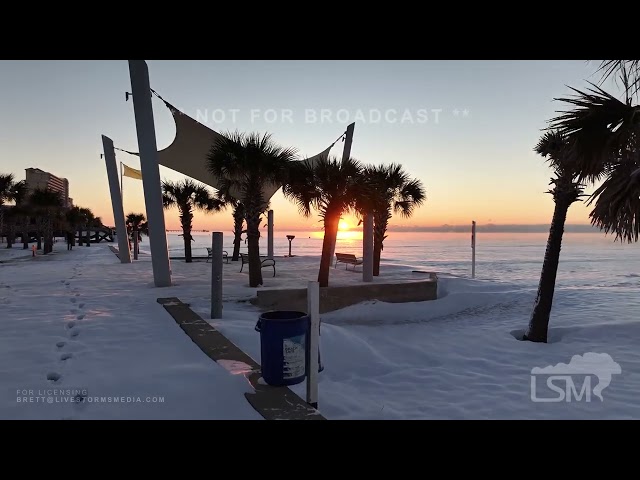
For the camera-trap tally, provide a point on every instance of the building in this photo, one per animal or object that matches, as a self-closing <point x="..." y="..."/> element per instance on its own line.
<point x="39" y="179"/>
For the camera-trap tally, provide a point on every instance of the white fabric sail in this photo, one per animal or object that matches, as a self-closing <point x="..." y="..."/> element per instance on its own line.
<point x="188" y="152"/>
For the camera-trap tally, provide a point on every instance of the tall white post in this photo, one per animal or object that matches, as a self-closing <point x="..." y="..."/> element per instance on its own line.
<point x="216" y="275"/>
<point x="116" y="200"/>
<point x="367" y="248"/>
<point x="473" y="249"/>
<point x="346" y="153"/>
<point x="313" y="310"/>
<point x="141" y="93"/>
<point x="270" y="234"/>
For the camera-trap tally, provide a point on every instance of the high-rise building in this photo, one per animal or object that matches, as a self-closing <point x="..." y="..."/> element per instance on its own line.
<point x="36" y="178"/>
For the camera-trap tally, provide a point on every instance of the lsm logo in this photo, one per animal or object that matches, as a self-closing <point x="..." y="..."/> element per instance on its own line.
<point x="573" y="381"/>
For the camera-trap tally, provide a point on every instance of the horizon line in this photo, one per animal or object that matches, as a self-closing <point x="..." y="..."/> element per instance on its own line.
<point x="446" y="228"/>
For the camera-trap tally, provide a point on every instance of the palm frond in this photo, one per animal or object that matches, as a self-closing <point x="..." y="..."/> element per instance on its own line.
<point x="598" y="128"/>
<point x="628" y="70"/>
<point x="617" y="203"/>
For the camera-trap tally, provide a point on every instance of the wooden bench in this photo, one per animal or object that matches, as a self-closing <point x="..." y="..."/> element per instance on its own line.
<point x="225" y="256"/>
<point x="347" y="259"/>
<point x="267" y="262"/>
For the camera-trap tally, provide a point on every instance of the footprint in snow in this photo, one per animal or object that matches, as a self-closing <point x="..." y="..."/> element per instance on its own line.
<point x="61" y="344"/>
<point x="74" y="333"/>
<point x="81" y="305"/>
<point x="80" y="317"/>
<point x="77" y="294"/>
<point x="71" y="324"/>
<point x="73" y="310"/>
<point x="53" y="376"/>
<point x="66" y="356"/>
<point x="66" y="283"/>
<point x="73" y="300"/>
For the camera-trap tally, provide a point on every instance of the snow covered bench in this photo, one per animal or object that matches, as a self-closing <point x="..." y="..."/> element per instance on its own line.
<point x="267" y="262"/>
<point x="348" y="259"/>
<point x="225" y="256"/>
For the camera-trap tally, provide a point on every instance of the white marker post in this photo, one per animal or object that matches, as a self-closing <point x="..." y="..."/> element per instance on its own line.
<point x="473" y="249"/>
<point x="216" y="275"/>
<point x="116" y="200"/>
<point x="313" y="310"/>
<point x="151" y="184"/>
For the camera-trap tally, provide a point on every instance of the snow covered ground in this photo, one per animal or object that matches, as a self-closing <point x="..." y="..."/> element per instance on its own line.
<point x="456" y="357"/>
<point x="80" y="323"/>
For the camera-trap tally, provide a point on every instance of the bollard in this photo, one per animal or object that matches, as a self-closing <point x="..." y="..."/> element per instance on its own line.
<point x="216" y="275"/>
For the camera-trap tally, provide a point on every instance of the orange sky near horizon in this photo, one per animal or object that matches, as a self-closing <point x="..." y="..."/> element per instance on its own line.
<point x="497" y="204"/>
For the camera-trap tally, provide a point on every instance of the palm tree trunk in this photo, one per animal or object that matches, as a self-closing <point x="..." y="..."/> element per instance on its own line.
<point x="50" y="235"/>
<point x="379" y="230"/>
<point x="45" y="235"/>
<point x="186" y="218"/>
<point x="253" y="239"/>
<point x="539" y="323"/>
<point x="377" y="253"/>
<point x="238" y="220"/>
<point x="186" y="234"/>
<point x="331" y="223"/>
<point x="88" y="239"/>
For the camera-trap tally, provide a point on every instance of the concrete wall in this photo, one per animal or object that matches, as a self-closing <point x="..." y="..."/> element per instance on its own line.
<point x="335" y="298"/>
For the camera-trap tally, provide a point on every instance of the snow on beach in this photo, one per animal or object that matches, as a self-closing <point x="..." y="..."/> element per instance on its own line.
<point x="80" y="323"/>
<point x="455" y="357"/>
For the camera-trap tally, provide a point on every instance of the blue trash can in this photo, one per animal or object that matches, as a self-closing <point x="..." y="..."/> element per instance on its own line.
<point x="283" y="347"/>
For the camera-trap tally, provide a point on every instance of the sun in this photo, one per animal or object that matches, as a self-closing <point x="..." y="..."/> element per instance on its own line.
<point x="343" y="226"/>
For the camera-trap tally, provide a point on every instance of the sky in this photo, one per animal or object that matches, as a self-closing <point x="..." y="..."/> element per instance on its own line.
<point x="466" y="129"/>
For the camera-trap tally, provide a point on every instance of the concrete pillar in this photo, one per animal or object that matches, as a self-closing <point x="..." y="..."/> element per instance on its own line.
<point x="367" y="248"/>
<point x="313" y="310"/>
<point x="116" y="200"/>
<point x="141" y="93"/>
<point x="270" y="234"/>
<point x="216" y="275"/>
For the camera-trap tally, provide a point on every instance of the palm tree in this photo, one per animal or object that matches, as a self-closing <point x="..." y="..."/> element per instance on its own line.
<point x="136" y="222"/>
<point x="188" y="196"/>
<point x="604" y="132"/>
<point x="22" y="210"/>
<point x="566" y="190"/>
<point x="16" y="192"/>
<point x="7" y="185"/>
<point x="75" y="217"/>
<point x="238" y="222"/>
<point x="331" y="187"/>
<point x="246" y="165"/>
<point x="11" y="220"/>
<point x="48" y="207"/>
<point x="391" y="191"/>
<point x="86" y="217"/>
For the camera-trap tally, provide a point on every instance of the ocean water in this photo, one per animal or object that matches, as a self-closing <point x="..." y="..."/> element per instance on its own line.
<point x="587" y="260"/>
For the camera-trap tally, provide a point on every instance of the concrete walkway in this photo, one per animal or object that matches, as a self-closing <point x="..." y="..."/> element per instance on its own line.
<point x="273" y="403"/>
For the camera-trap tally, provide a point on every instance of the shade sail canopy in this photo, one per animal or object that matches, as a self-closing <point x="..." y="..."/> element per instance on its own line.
<point x="188" y="152"/>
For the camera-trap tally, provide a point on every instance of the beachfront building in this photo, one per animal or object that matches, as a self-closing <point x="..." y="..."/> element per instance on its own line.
<point x="36" y="178"/>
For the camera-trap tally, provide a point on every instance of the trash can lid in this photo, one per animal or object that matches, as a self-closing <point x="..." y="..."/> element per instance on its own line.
<point x="282" y="315"/>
